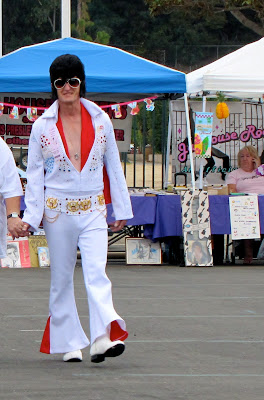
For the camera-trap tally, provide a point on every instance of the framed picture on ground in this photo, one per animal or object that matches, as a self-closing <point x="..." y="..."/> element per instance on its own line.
<point x="36" y="241"/>
<point x="17" y="254"/>
<point x="43" y="256"/>
<point x="142" y="251"/>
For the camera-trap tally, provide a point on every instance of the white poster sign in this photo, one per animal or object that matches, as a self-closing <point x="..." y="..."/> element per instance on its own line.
<point x="244" y="215"/>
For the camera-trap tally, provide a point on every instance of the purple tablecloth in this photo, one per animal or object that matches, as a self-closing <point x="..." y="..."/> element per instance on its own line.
<point x="144" y="210"/>
<point x="161" y="215"/>
<point x="168" y="216"/>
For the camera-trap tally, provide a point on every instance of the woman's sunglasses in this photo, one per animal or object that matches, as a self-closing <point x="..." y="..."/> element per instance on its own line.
<point x="73" y="82"/>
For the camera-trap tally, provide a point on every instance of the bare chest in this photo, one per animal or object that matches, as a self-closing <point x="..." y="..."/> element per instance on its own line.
<point x="72" y="129"/>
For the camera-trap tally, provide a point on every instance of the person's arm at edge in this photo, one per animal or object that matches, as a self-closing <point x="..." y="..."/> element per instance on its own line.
<point x="232" y="188"/>
<point x="34" y="195"/>
<point x="14" y="224"/>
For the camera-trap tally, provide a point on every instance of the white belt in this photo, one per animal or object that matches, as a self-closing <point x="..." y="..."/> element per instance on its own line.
<point x="76" y="205"/>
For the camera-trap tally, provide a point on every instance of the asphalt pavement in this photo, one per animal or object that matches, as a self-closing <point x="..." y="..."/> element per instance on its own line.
<point x="194" y="334"/>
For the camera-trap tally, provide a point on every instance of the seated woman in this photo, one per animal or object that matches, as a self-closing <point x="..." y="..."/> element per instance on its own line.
<point x="247" y="179"/>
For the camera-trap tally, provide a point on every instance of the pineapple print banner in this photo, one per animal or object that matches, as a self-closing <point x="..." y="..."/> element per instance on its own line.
<point x="203" y="134"/>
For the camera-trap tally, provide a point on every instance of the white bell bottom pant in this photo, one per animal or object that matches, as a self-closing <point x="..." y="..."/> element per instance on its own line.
<point x="89" y="233"/>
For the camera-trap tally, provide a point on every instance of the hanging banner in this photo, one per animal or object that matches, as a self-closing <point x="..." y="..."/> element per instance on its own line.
<point x="150" y="105"/>
<point x="32" y="114"/>
<point x="28" y="107"/>
<point x="14" y="113"/>
<point x="203" y="134"/>
<point x="117" y="110"/>
<point x="135" y="108"/>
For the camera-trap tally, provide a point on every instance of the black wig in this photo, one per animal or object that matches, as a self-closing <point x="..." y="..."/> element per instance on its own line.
<point x="67" y="66"/>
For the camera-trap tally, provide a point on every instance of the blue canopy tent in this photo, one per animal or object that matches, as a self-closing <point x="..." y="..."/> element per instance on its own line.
<point x="108" y="69"/>
<point x="111" y="74"/>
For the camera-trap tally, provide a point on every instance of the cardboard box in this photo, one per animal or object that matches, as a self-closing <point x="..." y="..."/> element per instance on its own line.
<point x="223" y="190"/>
<point x="217" y="189"/>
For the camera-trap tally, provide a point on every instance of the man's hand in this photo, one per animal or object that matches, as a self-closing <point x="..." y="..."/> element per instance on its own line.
<point x="16" y="227"/>
<point x="25" y="229"/>
<point x="117" y="225"/>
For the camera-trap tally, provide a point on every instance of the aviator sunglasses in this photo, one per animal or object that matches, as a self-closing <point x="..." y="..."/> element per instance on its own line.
<point x="73" y="82"/>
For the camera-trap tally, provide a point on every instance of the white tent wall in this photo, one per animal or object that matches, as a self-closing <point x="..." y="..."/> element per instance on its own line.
<point x="239" y="73"/>
<point x="244" y="126"/>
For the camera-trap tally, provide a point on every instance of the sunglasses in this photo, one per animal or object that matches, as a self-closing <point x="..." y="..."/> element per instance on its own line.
<point x="73" y="82"/>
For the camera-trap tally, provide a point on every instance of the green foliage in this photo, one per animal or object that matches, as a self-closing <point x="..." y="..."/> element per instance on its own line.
<point x="249" y="13"/>
<point x="84" y="28"/>
<point x="26" y="22"/>
<point x="29" y="21"/>
<point x="174" y="39"/>
<point x="173" y="34"/>
<point x="147" y="127"/>
<point x="102" y="37"/>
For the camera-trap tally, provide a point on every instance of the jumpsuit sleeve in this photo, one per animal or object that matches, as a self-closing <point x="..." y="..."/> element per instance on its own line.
<point x="34" y="194"/>
<point x="11" y="186"/>
<point x="118" y="187"/>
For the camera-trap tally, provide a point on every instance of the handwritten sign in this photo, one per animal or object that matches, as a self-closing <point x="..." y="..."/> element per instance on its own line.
<point x="244" y="215"/>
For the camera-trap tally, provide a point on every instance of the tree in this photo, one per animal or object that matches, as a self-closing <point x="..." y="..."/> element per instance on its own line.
<point x="250" y="13"/>
<point x="176" y="39"/>
<point x="132" y="28"/>
<point x="26" y="22"/>
<point x="84" y="27"/>
<point x="29" y="21"/>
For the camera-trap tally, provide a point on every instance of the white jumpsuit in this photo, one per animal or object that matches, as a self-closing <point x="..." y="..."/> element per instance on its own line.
<point x="75" y="215"/>
<point x="10" y="186"/>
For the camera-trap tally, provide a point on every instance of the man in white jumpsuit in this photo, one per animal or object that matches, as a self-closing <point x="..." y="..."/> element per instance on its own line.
<point x="69" y="146"/>
<point x="10" y="192"/>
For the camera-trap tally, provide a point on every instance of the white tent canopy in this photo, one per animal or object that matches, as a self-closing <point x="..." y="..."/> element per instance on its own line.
<point x="240" y="71"/>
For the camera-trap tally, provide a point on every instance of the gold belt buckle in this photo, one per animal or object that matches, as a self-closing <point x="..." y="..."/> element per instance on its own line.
<point x="72" y="206"/>
<point x="52" y="202"/>
<point x="85" y="204"/>
<point x="101" y="199"/>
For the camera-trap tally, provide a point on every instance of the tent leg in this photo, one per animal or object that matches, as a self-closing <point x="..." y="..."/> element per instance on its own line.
<point x="168" y="148"/>
<point x="202" y="159"/>
<point x="189" y="139"/>
<point x="204" y="103"/>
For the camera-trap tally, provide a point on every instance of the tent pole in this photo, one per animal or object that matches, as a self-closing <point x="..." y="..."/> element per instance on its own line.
<point x="201" y="183"/>
<point x="189" y="139"/>
<point x="1" y="28"/>
<point x="168" y="148"/>
<point x="204" y="103"/>
<point x="65" y="18"/>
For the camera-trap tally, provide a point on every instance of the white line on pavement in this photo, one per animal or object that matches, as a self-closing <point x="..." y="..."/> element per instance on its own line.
<point x="174" y="375"/>
<point x="154" y="316"/>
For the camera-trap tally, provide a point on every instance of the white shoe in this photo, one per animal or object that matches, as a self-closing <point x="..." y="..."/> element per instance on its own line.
<point x="104" y="347"/>
<point x="73" y="356"/>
